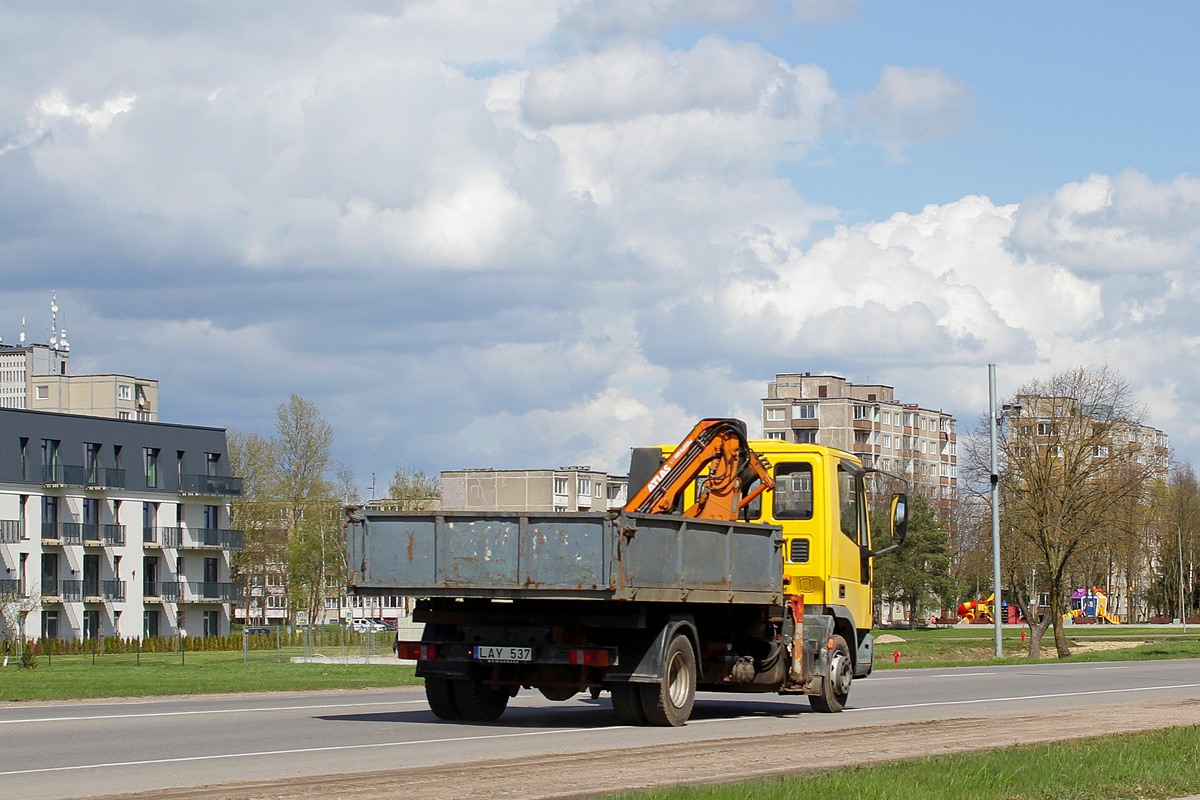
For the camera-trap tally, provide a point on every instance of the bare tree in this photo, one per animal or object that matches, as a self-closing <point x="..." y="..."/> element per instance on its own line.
<point x="1072" y="467"/>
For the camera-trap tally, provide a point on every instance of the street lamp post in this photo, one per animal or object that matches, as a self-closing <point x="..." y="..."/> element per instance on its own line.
<point x="1182" y="610"/>
<point x="995" y="481"/>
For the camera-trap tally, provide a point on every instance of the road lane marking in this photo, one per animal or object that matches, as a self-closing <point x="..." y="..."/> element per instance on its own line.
<point x="964" y="674"/>
<point x="1102" y="668"/>
<point x="328" y="749"/>
<point x="205" y="711"/>
<point x="1025" y="697"/>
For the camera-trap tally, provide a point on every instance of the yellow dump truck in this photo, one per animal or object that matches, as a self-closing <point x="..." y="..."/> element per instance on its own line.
<point x="736" y="566"/>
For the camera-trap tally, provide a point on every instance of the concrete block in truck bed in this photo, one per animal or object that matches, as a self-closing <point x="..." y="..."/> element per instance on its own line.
<point x="646" y="557"/>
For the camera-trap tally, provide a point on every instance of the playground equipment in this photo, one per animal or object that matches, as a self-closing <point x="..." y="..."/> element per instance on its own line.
<point x="977" y="610"/>
<point x="1091" y="603"/>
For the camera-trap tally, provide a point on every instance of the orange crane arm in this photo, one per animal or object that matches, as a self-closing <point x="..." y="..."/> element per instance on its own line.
<point x="718" y="445"/>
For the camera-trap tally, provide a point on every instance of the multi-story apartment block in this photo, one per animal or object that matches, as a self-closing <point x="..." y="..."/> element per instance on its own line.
<point x="35" y="377"/>
<point x="1043" y="420"/>
<point x="919" y="443"/>
<point x="562" y="489"/>
<point x="115" y="527"/>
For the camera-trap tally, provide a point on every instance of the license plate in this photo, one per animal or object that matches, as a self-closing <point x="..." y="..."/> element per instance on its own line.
<point x="511" y="655"/>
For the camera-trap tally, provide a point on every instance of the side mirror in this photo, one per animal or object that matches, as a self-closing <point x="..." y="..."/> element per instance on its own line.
<point x="899" y="517"/>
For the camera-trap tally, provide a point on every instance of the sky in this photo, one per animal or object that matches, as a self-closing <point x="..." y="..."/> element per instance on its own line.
<point x="530" y="234"/>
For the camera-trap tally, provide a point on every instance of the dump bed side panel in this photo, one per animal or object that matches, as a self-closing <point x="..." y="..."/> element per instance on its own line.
<point x="567" y="555"/>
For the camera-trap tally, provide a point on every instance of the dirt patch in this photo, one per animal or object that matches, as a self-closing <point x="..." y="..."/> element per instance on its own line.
<point x="1095" y="647"/>
<point x="597" y="774"/>
<point x="889" y="638"/>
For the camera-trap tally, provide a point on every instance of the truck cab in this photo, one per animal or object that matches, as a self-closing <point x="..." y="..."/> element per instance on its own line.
<point x="820" y="502"/>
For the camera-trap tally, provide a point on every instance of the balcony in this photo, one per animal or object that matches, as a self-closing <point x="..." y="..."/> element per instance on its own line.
<point x="10" y="531"/>
<point x="210" y="485"/>
<point x="66" y="533"/>
<point x="161" y="591"/>
<point x="11" y="587"/>
<point x="211" y="592"/>
<point x="95" y="591"/>
<point x="105" y="478"/>
<point x="202" y="538"/>
<point x="93" y="535"/>
<point x="59" y="475"/>
<point x="61" y="591"/>
<point x="192" y="592"/>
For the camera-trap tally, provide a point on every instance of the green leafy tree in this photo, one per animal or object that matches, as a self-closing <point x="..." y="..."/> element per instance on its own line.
<point x="413" y="490"/>
<point x="917" y="575"/>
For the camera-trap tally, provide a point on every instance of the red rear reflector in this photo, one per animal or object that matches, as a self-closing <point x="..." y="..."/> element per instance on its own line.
<point x="416" y="651"/>
<point x="587" y="657"/>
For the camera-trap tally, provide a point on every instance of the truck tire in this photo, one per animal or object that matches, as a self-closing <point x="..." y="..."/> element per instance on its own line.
<point x="836" y="687"/>
<point x="669" y="701"/>
<point x="440" y="694"/>
<point x="627" y="702"/>
<point x="478" y="702"/>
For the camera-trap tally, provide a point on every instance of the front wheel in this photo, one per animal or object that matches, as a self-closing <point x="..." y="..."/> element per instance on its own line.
<point x="669" y="701"/>
<point x="835" y="688"/>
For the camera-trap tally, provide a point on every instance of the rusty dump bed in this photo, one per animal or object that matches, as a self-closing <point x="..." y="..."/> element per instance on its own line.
<point x="644" y="557"/>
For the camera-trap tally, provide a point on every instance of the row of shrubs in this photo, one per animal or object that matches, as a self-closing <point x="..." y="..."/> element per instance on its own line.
<point x="170" y="644"/>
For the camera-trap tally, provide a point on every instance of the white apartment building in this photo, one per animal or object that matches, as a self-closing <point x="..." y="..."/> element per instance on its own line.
<point x="114" y="527"/>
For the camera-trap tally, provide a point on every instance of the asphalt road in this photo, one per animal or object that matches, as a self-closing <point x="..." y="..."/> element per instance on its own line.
<point x="65" y="750"/>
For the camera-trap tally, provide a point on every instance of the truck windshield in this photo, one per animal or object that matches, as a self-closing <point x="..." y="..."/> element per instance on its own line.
<point x="793" y="491"/>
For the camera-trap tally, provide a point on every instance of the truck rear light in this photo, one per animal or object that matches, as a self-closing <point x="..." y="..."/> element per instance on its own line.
<point x="588" y="657"/>
<point x="416" y="651"/>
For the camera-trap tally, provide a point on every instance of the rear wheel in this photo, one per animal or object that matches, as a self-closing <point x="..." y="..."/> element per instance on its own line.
<point x="627" y="702"/>
<point x="440" y="694"/>
<point x="835" y="688"/>
<point x="479" y="702"/>
<point x="670" y="700"/>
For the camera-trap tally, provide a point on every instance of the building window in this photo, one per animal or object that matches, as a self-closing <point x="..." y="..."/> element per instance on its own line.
<point x="585" y="487"/>
<point x="211" y="623"/>
<point x="560" y="486"/>
<point x="778" y="435"/>
<point x="887" y="418"/>
<point x="598" y="493"/>
<point x="151" y="460"/>
<point x="822" y="391"/>
<point x="124" y="415"/>
<point x="1100" y="451"/>
<point x="862" y="412"/>
<point x="806" y="437"/>
<point x="776" y="415"/>
<point x="124" y="392"/>
<point x="887" y="441"/>
<point x="1046" y="429"/>
<point x="49" y="624"/>
<point x="211" y="461"/>
<point x="804" y="411"/>
<point x="43" y="393"/>
<point x="24" y="458"/>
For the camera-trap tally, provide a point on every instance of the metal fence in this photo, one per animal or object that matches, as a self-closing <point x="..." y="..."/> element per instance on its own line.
<point x="320" y="644"/>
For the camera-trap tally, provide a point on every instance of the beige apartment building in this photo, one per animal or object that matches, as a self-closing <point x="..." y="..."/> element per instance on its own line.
<point x="35" y="377"/>
<point x="918" y="443"/>
<point x="578" y="488"/>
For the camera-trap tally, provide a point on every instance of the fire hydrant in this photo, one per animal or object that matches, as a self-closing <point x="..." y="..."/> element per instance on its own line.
<point x="895" y="656"/>
<point x="1022" y="636"/>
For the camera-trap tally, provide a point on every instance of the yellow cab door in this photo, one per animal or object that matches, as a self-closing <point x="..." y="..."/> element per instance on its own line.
<point x="798" y="482"/>
<point x="849" y="582"/>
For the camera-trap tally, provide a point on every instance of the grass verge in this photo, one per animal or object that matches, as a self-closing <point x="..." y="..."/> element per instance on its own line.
<point x="70" y="677"/>
<point x="1152" y="764"/>
<point x="961" y="647"/>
